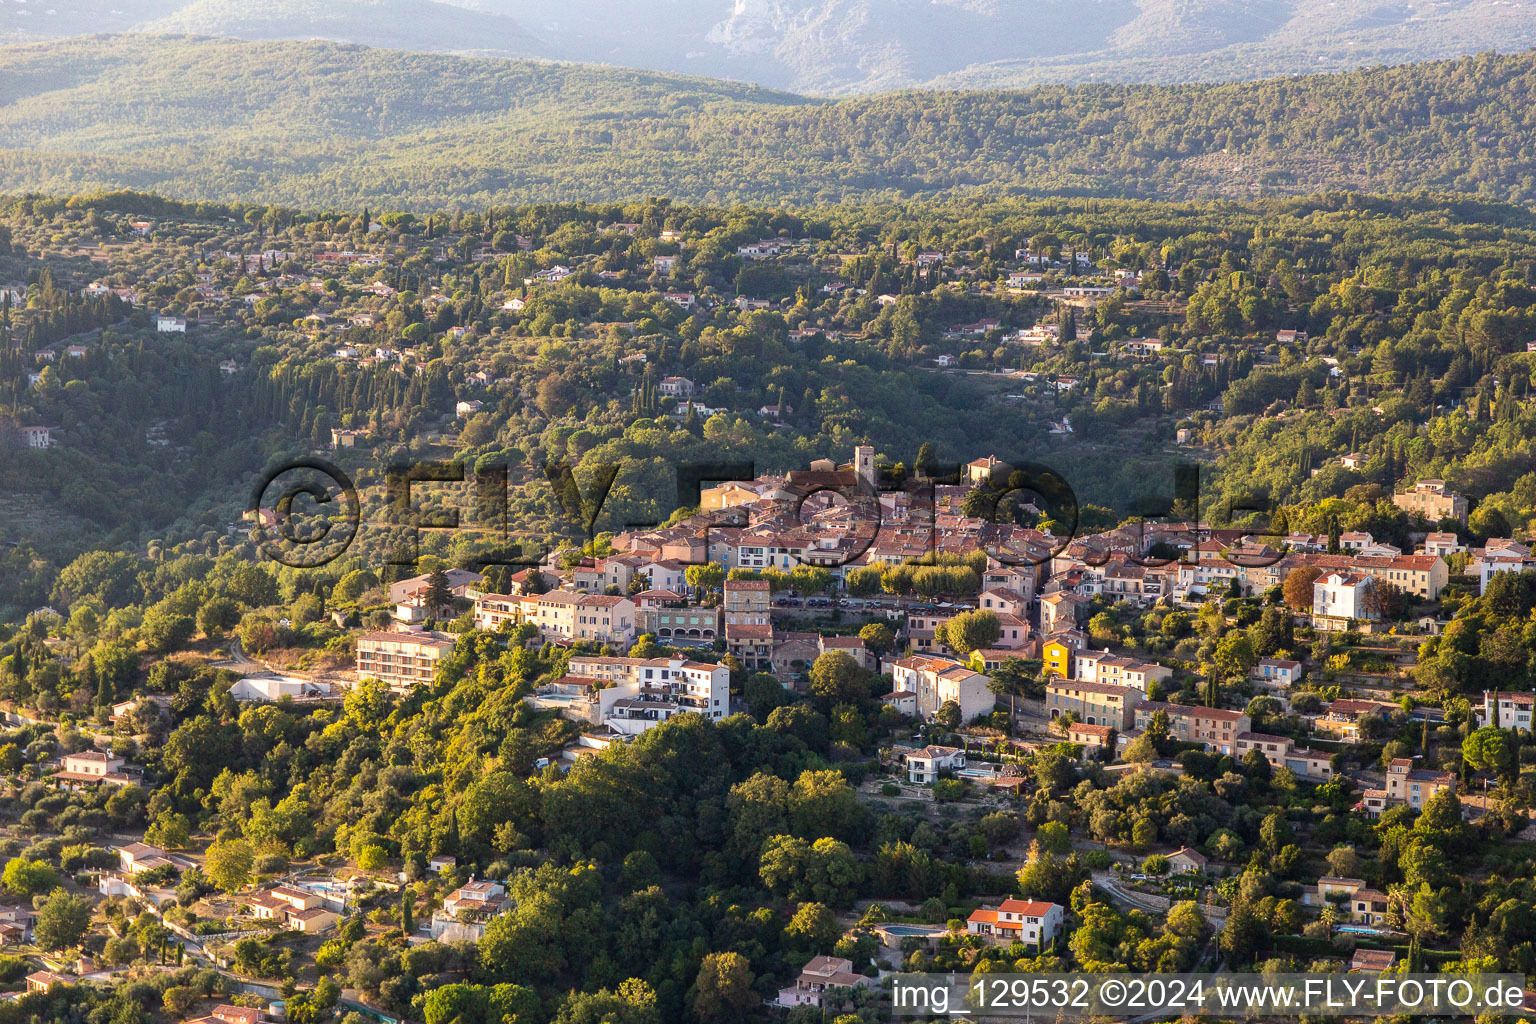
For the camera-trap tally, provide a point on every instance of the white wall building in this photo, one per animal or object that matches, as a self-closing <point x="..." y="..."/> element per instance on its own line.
<point x="1341" y="597"/>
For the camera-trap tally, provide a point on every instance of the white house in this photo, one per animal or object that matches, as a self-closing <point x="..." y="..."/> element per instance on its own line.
<point x="275" y="688"/>
<point x="1442" y="544"/>
<point x="467" y="910"/>
<point x="91" y="766"/>
<point x="1033" y="922"/>
<point x="36" y="437"/>
<point x="1492" y="561"/>
<point x="925" y="764"/>
<point x="689" y="685"/>
<point x="1341" y="597"/>
<point x="1506" y="709"/>
<point x="170" y="325"/>
<point x="1278" y="672"/>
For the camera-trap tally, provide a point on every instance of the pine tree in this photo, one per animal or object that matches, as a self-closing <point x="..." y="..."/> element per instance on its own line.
<point x="104" y="694"/>
<point x="1307" y="395"/>
<point x="439" y="595"/>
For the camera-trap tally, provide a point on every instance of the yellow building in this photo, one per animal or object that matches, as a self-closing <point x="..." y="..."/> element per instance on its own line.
<point x="727" y="495"/>
<point x="1057" y="656"/>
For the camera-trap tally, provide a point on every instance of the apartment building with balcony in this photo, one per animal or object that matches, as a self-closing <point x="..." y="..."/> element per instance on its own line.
<point x="400" y="659"/>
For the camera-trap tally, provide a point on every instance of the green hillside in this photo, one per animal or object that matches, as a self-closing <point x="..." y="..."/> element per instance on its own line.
<point x="330" y="125"/>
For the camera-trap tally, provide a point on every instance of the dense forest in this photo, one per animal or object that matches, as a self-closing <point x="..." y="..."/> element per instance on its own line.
<point x="341" y="125"/>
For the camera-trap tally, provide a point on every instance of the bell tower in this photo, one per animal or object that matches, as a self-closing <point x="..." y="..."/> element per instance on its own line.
<point x="864" y="465"/>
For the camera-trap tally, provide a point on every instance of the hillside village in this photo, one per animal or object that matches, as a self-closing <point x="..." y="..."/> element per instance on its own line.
<point x="1017" y="658"/>
<point x="863" y="705"/>
<point x="708" y="589"/>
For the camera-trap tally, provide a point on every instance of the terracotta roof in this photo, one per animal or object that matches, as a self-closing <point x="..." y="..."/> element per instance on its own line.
<point x="1372" y="960"/>
<point x="1190" y="710"/>
<point x="1104" y="689"/>
<point x="310" y="914"/>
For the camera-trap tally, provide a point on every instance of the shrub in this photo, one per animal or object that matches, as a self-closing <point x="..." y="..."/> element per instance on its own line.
<point x="948" y="790"/>
<point x="271" y="864"/>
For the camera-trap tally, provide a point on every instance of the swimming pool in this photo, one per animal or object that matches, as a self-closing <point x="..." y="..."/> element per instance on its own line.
<point x="906" y="929"/>
<point x="1360" y="929"/>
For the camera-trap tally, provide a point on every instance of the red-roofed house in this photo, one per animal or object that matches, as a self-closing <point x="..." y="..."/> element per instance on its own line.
<point x="1033" y="922"/>
<point x="1215" y="727"/>
<point x="1090" y="736"/>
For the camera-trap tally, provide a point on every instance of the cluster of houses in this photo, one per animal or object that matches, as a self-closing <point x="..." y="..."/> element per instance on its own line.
<point x="838" y="517"/>
<point x="293" y="908"/>
<point x="290" y="907"/>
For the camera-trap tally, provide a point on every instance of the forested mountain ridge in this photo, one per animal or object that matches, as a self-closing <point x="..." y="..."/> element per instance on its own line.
<point x="844" y="47"/>
<point x="407" y="24"/>
<point x="323" y="124"/>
